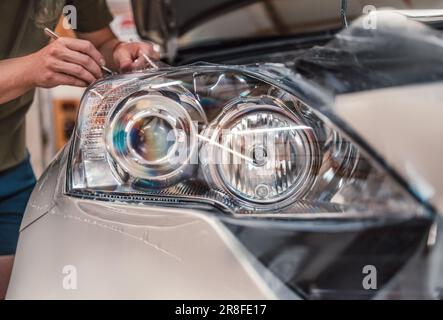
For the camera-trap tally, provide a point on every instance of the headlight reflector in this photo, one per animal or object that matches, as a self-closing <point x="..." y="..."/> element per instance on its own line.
<point x="264" y="153"/>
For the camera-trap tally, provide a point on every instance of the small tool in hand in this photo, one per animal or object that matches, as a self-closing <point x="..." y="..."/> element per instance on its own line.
<point x="149" y="61"/>
<point x="55" y="36"/>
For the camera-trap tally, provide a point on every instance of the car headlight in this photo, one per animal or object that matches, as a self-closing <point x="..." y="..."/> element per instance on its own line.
<point x="151" y="136"/>
<point x="227" y="138"/>
<point x="260" y="153"/>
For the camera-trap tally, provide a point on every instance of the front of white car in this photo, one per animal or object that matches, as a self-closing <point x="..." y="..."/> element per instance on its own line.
<point x="247" y="182"/>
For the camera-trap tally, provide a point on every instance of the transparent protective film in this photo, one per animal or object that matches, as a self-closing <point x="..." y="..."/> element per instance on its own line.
<point x="390" y="76"/>
<point x="227" y="138"/>
<point x="275" y="155"/>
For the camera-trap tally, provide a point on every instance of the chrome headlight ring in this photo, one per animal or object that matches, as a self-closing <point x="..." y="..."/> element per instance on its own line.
<point x="268" y="145"/>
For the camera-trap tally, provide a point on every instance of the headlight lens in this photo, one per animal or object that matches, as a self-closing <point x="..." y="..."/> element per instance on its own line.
<point x="152" y="136"/>
<point x="263" y="153"/>
<point x="225" y="138"/>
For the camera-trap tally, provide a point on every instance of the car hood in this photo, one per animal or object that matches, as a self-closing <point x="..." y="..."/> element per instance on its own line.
<point x="165" y="21"/>
<point x="184" y="14"/>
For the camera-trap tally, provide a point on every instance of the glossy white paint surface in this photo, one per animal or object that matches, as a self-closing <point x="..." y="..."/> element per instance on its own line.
<point x="405" y="126"/>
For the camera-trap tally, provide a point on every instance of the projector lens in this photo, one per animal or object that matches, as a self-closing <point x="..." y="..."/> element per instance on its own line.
<point x="152" y="138"/>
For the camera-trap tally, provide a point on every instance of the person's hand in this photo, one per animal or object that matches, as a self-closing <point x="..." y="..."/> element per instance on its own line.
<point x="66" y="61"/>
<point x="129" y="56"/>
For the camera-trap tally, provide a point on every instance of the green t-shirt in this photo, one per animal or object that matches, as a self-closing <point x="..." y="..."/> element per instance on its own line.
<point x="21" y="33"/>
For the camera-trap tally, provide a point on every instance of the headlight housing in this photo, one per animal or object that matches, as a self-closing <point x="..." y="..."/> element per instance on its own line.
<point x="228" y="138"/>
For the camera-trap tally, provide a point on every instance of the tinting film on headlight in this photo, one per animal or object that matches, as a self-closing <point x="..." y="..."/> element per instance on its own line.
<point x="225" y="138"/>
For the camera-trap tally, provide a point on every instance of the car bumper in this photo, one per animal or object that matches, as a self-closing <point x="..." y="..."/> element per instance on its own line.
<point x="125" y="251"/>
<point x="72" y="248"/>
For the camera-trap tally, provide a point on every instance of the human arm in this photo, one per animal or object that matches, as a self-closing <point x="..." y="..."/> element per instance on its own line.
<point x="65" y="61"/>
<point x="119" y="55"/>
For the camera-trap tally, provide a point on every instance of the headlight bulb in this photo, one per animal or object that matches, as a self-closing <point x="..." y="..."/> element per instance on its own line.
<point x="261" y="153"/>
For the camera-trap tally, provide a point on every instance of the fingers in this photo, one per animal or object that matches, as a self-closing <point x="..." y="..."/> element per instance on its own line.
<point x="83" y="60"/>
<point x="64" y="79"/>
<point x="85" y="47"/>
<point x="132" y="56"/>
<point x="66" y="62"/>
<point x="146" y="58"/>
<point x="124" y="59"/>
<point x="149" y="50"/>
<point x="74" y="70"/>
<point x="78" y="59"/>
<point x="139" y="64"/>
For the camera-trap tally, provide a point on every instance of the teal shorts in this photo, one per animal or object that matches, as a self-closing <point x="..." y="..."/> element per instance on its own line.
<point x="16" y="185"/>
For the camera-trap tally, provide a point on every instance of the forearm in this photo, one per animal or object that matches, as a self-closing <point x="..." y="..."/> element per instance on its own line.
<point x="15" y="78"/>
